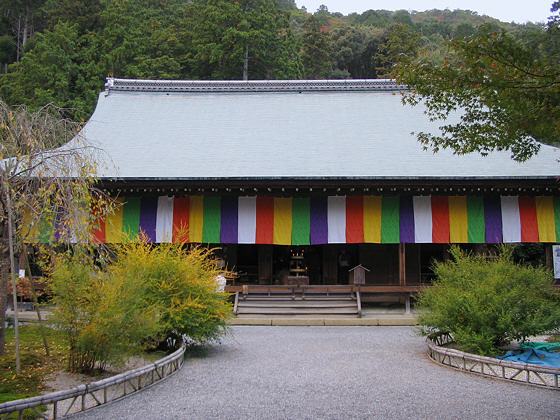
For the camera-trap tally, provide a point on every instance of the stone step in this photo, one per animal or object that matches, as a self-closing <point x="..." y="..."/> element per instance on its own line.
<point x="296" y="304"/>
<point x="298" y="296"/>
<point x="298" y="311"/>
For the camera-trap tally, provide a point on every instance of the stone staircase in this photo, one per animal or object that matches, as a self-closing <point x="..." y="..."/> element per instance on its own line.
<point x="298" y="303"/>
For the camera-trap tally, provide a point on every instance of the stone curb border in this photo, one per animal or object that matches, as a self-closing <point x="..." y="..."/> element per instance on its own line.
<point x="524" y="373"/>
<point x="371" y="322"/>
<point x="100" y="392"/>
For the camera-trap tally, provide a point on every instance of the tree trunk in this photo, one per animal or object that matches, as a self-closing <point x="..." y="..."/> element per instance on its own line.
<point x="246" y="63"/>
<point x="4" y="272"/>
<point x="11" y="251"/>
<point x="24" y="264"/>
<point x="25" y="26"/>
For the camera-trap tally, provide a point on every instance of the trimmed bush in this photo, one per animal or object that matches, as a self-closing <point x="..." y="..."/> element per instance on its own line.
<point x="485" y="304"/>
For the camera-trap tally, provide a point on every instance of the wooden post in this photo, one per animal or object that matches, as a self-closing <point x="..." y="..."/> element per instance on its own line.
<point x="265" y="264"/>
<point x="402" y="264"/>
<point x="407" y="304"/>
<point x="548" y="257"/>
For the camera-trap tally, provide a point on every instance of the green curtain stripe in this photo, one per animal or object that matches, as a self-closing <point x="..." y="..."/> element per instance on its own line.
<point x="475" y="215"/>
<point x="390" y="220"/>
<point x="212" y="220"/>
<point x="131" y="218"/>
<point x="556" y="201"/>
<point x="300" y="221"/>
<point x="46" y="231"/>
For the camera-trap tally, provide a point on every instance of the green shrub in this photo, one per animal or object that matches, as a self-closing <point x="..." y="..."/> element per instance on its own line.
<point x="485" y="304"/>
<point x="181" y="284"/>
<point x="147" y="295"/>
<point x="105" y="319"/>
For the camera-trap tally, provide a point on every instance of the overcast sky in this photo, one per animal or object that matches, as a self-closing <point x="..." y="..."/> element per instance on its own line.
<point x="519" y="11"/>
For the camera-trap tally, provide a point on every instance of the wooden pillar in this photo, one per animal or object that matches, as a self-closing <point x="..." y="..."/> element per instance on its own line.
<point x="549" y="262"/>
<point x="265" y="264"/>
<point x="402" y="264"/>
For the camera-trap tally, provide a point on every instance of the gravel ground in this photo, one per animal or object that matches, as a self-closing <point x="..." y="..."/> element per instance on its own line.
<point x="327" y="373"/>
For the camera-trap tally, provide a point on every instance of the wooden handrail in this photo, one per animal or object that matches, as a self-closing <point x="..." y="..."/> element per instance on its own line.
<point x="377" y="289"/>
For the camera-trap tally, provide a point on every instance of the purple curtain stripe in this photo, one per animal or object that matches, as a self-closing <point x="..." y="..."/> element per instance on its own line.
<point x="406" y="219"/>
<point x="148" y="217"/>
<point x="493" y="219"/>
<point x="318" y="229"/>
<point x="229" y="220"/>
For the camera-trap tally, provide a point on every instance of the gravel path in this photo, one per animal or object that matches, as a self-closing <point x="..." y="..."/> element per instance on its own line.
<point x="328" y="373"/>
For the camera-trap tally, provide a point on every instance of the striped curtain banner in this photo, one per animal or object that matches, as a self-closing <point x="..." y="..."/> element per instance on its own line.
<point x="301" y="222"/>
<point x="336" y="217"/>
<point x="247" y="220"/>
<point x="324" y="220"/>
<point x="422" y="219"/>
<point x="372" y="219"/>
<point x="181" y="207"/>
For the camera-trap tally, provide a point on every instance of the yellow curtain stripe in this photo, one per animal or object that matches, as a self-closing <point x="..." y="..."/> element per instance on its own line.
<point x="196" y="218"/>
<point x="545" y="219"/>
<point x="282" y="234"/>
<point x="29" y="229"/>
<point x="114" y="223"/>
<point x="458" y="219"/>
<point x="372" y="219"/>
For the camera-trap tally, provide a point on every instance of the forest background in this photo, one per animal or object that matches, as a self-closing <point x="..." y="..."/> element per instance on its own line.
<point x="61" y="51"/>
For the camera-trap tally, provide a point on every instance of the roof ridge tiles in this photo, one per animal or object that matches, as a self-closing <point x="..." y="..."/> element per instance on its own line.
<point x="216" y="86"/>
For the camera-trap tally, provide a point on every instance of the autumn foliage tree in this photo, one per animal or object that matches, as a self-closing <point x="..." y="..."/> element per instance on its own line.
<point x="46" y="175"/>
<point x="503" y="90"/>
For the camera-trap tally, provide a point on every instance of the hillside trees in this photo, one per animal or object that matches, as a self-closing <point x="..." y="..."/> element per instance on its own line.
<point x="316" y="50"/>
<point x="138" y="39"/>
<point x="240" y="40"/>
<point x="354" y="47"/>
<point x="506" y="88"/>
<point x="400" y="43"/>
<point x="58" y="71"/>
<point x="71" y="46"/>
<point x="22" y="19"/>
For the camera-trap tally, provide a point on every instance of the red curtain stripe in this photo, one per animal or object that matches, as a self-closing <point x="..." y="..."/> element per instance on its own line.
<point x="529" y="221"/>
<point x="440" y="220"/>
<point x="354" y="219"/>
<point x="265" y="220"/>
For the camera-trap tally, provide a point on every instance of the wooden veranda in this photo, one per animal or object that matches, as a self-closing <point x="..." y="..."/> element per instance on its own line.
<point x="308" y="296"/>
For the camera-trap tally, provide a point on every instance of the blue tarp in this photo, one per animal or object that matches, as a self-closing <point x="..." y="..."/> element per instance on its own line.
<point x="533" y="355"/>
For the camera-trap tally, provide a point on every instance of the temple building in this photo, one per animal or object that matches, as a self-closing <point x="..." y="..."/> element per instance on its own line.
<point x="308" y="179"/>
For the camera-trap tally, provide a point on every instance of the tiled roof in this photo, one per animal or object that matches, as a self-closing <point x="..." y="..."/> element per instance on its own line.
<point x="277" y="129"/>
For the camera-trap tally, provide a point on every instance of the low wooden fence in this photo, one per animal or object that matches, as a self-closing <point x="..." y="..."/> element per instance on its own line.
<point x="527" y="373"/>
<point x="63" y="403"/>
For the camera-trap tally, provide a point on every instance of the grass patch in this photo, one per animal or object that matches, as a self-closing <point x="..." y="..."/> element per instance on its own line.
<point x="35" y="366"/>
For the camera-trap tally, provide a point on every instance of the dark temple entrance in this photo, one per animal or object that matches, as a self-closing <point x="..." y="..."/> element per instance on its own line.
<point x="388" y="264"/>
